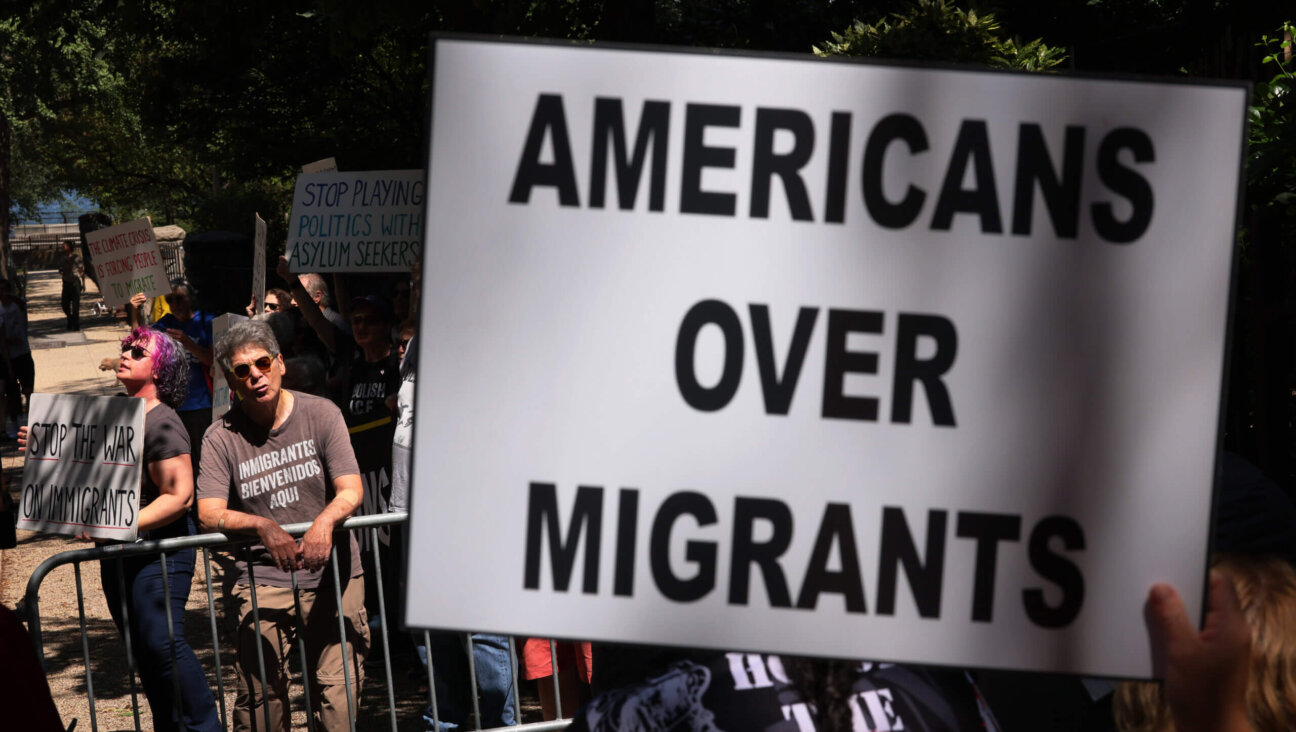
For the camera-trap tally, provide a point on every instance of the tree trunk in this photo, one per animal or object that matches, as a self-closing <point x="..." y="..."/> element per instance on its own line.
<point x="5" y="139"/>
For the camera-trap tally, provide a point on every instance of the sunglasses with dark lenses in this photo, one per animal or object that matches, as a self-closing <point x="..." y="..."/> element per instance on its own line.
<point x="272" y="306"/>
<point x="136" y="352"/>
<point x="244" y="370"/>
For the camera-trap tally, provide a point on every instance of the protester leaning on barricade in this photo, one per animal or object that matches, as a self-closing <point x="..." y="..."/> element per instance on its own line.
<point x="193" y="329"/>
<point x="279" y="457"/>
<point x="153" y="368"/>
<point x="20" y="370"/>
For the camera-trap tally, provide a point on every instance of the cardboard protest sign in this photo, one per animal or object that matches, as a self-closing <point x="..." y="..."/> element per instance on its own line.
<point x="220" y="387"/>
<point x="817" y="357"/>
<point x="85" y="458"/>
<point x="327" y="165"/>
<point x="356" y="222"/>
<point x="127" y="261"/>
<point x="259" y="265"/>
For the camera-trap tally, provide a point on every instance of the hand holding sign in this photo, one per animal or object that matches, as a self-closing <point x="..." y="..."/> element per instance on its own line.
<point x="1206" y="673"/>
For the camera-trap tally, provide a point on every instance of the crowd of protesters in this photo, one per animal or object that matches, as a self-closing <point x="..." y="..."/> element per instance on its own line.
<point x="318" y="365"/>
<point x="323" y="382"/>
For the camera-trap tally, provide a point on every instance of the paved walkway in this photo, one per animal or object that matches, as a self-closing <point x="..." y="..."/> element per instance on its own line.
<point x="68" y="363"/>
<point x="65" y="363"/>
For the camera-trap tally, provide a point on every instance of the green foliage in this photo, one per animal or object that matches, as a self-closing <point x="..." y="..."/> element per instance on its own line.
<point x="1271" y="174"/>
<point x="934" y="30"/>
<point x="233" y="206"/>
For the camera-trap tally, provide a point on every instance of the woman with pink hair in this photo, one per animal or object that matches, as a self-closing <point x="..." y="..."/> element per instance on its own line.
<point x="153" y="368"/>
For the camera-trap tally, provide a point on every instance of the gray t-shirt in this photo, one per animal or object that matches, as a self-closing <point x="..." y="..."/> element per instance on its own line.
<point x="285" y="474"/>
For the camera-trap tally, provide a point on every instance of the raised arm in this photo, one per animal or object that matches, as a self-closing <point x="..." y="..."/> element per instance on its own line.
<point x="306" y="304"/>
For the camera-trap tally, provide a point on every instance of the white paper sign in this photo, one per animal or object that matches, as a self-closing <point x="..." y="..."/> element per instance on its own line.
<point x="259" y="265"/>
<point x="84" y="465"/>
<point x="819" y="358"/>
<point x="220" y="385"/>
<point x="327" y="165"/>
<point x="369" y="221"/>
<point x="127" y="261"/>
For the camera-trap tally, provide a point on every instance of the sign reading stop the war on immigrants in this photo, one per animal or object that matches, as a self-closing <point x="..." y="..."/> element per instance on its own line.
<point x="815" y="357"/>
<point x="83" y="469"/>
<point x="370" y="221"/>
<point x="127" y="260"/>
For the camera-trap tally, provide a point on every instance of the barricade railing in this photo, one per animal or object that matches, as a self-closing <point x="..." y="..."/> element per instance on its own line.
<point x="208" y="542"/>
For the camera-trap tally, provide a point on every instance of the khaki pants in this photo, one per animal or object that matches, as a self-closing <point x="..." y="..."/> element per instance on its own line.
<point x="277" y="635"/>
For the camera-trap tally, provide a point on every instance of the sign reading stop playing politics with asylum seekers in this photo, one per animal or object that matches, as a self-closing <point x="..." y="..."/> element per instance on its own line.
<point x="127" y="261"/>
<point x="819" y="357"/>
<point x="83" y="468"/>
<point x="369" y="221"/>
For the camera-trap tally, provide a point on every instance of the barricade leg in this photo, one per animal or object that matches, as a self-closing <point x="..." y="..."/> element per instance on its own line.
<point x="301" y="648"/>
<point x="215" y="636"/>
<point x="112" y="577"/>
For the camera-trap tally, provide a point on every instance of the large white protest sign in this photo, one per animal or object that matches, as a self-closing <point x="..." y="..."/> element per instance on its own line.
<point x="817" y="357"/>
<point x="83" y="468"/>
<point x="369" y="221"/>
<point x="127" y="261"/>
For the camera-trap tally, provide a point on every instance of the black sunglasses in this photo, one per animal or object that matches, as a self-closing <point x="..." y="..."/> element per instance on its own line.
<point x="244" y="370"/>
<point x="272" y="306"/>
<point x="136" y="352"/>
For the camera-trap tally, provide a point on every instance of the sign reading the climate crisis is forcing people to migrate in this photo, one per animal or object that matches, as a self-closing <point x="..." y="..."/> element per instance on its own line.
<point x="817" y="357"/>
<point x="83" y="468"/>
<point x="127" y="261"/>
<point x="370" y="221"/>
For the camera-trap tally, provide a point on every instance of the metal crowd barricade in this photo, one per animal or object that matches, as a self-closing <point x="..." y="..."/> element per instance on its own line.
<point x="219" y="541"/>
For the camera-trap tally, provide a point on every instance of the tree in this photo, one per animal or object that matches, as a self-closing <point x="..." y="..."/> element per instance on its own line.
<point x="933" y="30"/>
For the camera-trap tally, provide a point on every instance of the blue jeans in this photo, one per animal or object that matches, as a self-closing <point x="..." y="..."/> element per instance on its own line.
<point x="150" y="645"/>
<point x="453" y="692"/>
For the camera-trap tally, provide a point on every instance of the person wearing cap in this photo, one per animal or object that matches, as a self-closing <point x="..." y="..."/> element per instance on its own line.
<point x="374" y="375"/>
<point x="193" y="329"/>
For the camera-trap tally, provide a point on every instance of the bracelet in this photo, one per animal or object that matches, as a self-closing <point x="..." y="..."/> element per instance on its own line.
<point x="220" y="525"/>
